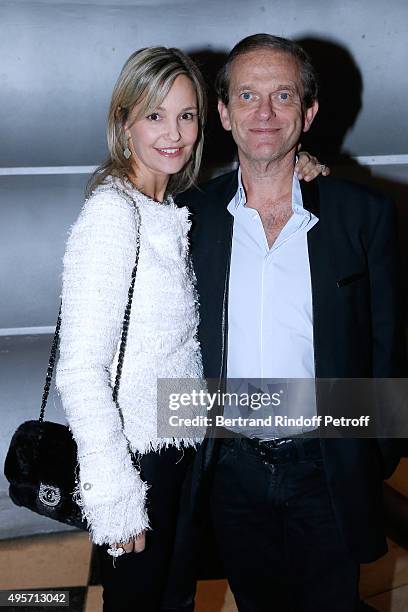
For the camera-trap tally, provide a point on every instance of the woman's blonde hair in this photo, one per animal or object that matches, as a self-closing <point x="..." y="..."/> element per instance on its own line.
<point x="146" y="79"/>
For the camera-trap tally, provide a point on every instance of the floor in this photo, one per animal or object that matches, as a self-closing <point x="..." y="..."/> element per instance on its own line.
<point x="64" y="561"/>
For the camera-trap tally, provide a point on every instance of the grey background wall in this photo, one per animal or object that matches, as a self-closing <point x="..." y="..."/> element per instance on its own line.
<point x="59" y="61"/>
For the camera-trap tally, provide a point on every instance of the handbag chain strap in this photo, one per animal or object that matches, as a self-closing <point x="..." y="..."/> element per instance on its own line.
<point x="125" y="325"/>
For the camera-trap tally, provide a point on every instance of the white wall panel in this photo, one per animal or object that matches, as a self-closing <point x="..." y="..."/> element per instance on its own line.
<point x="60" y="61"/>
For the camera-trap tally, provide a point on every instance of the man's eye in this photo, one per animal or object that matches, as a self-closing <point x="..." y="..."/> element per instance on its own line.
<point x="246" y="95"/>
<point x="283" y="96"/>
<point x="153" y="117"/>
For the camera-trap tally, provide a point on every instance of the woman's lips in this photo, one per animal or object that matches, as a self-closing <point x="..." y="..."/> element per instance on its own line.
<point x="169" y="151"/>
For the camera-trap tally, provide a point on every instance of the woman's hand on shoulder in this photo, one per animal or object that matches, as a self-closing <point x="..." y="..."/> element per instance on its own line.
<point x="308" y="167"/>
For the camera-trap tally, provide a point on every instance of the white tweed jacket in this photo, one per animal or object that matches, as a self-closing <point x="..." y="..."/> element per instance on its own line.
<point x="161" y="342"/>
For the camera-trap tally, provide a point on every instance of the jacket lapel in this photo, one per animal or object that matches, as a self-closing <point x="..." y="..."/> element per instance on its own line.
<point x="318" y="268"/>
<point x="211" y="251"/>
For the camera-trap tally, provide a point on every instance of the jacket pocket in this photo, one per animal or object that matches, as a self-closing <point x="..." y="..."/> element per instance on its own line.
<point x="348" y="280"/>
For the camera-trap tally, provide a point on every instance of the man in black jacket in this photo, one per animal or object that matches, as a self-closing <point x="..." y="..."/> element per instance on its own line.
<point x="294" y="282"/>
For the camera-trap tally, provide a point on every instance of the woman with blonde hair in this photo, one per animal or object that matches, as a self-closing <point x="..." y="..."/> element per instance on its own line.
<point x="131" y="232"/>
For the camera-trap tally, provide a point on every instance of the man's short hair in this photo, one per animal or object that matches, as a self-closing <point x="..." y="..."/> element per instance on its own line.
<point x="261" y="41"/>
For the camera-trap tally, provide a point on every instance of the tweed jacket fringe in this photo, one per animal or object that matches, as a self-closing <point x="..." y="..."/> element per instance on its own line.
<point x="161" y="342"/>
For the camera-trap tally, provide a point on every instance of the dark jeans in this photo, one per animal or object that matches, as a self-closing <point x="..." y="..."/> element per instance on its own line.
<point x="138" y="580"/>
<point x="278" y="539"/>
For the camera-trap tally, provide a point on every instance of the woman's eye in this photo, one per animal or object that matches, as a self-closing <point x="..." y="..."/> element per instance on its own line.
<point x="187" y="116"/>
<point x="153" y="117"/>
<point x="246" y="95"/>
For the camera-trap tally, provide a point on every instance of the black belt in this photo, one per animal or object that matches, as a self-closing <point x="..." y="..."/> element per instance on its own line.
<point x="284" y="450"/>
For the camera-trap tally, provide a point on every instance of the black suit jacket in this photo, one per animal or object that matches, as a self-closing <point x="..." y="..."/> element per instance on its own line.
<point x="357" y="325"/>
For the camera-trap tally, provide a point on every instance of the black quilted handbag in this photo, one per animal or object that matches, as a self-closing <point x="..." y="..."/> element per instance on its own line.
<point x="41" y="463"/>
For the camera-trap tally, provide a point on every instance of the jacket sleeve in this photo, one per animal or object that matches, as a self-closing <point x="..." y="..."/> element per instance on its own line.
<point x="389" y="350"/>
<point x="389" y="353"/>
<point x="98" y="264"/>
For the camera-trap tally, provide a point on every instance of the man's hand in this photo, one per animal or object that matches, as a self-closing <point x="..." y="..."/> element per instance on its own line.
<point x="308" y="167"/>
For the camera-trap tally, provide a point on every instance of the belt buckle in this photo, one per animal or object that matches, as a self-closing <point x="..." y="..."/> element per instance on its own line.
<point x="277" y="450"/>
<point x="266" y="444"/>
<point x="275" y="444"/>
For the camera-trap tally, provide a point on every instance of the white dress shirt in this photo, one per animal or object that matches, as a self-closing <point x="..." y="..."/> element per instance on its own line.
<point x="270" y="320"/>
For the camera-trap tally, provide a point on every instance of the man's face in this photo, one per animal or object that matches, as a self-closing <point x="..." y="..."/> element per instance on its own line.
<point x="265" y="113"/>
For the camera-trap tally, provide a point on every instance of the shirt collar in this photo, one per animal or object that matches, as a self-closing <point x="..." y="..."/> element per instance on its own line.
<point x="240" y="197"/>
<point x="297" y="200"/>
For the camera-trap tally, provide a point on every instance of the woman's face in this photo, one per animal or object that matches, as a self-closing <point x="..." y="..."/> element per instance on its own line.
<point x="163" y="142"/>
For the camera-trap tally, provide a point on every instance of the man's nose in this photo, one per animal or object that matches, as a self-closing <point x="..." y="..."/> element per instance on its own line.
<point x="265" y="109"/>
